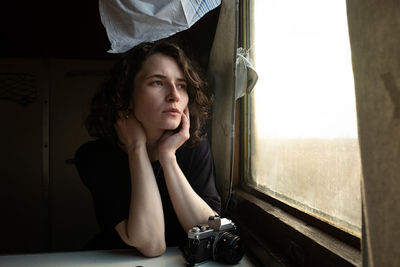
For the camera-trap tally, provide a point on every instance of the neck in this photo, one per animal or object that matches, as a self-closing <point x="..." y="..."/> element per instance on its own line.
<point x="152" y="142"/>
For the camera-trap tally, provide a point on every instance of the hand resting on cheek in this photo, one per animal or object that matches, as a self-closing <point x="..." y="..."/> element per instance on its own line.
<point x="171" y="140"/>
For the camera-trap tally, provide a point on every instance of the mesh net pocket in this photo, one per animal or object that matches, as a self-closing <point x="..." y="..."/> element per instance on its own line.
<point x="18" y="87"/>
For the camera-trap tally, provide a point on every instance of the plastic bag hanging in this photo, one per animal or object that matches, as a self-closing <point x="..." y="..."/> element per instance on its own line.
<point x="246" y="75"/>
<point x="131" y="22"/>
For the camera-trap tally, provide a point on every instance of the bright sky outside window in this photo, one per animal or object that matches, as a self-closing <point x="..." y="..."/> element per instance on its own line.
<point x="304" y="144"/>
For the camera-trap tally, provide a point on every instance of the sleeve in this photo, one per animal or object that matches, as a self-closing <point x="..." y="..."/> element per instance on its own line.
<point x="200" y="172"/>
<point x="102" y="170"/>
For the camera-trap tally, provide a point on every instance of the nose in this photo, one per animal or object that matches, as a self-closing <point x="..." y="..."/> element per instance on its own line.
<point x="173" y="94"/>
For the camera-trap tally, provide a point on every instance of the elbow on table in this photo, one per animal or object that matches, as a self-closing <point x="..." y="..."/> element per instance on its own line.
<point x="149" y="246"/>
<point x="153" y="249"/>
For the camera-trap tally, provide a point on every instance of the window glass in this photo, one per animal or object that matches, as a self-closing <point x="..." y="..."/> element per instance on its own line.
<point x="303" y="127"/>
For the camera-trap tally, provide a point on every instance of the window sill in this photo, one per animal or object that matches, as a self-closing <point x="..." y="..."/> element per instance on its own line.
<point x="277" y="237"/>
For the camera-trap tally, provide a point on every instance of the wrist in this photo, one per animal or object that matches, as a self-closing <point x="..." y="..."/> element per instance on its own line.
<point x="136" y="149"/>
<point x="166" y="158"/>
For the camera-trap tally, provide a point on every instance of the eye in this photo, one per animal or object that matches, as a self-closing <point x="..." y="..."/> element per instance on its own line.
<point x="182" y="86"/>
<point x="156" y="83"/>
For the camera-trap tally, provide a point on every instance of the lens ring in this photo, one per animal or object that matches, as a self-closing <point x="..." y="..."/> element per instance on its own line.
<point x="229" y="248"/>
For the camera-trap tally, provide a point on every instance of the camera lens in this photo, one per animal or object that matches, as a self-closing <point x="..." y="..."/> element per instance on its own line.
<point x="229" y="248"/>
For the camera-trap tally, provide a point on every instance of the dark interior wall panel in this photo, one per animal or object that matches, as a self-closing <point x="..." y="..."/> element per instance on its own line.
<point x="23" y="224"/>
<point x="41" y="210"/>
<point x="73" y="85"/>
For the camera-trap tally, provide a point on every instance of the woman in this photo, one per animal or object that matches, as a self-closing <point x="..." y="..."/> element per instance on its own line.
<point x="150" y="171"/>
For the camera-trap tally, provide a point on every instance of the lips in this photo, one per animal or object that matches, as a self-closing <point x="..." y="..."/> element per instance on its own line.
<point x="172" y="111"/>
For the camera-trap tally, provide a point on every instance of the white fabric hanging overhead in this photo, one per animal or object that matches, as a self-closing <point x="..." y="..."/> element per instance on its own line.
<point x="131" y="22"/>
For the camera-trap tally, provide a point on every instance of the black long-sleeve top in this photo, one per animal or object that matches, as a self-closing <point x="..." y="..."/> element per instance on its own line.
<point x="104" y="169"/>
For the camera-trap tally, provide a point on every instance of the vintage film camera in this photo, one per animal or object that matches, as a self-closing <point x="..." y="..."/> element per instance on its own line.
<point x="215" y="240"/>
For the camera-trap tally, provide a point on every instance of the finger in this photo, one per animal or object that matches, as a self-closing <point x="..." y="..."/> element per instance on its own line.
<point x="185" y="126"/>
<point x="186" y="117"/>
<point x="185" y="120"/>
<point x="186" y="111"/>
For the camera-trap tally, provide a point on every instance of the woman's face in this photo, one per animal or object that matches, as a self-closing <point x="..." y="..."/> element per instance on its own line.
<point x="159" y="94"/>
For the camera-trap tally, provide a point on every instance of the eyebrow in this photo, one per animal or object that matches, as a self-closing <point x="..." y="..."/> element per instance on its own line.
<point x="160" y="76"/>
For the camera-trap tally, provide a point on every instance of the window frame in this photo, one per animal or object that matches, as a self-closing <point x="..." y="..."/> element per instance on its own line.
<point x="273" y="231"/>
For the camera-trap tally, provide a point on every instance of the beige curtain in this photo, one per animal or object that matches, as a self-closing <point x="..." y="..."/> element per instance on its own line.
<point x="374" y="28"/>
<point x="221" y="80"/>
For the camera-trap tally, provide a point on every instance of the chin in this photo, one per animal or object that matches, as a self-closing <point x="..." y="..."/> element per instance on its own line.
<point x="171" y="126"/>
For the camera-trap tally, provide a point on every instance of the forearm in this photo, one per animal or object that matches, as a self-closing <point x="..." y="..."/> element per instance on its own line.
<point x="189" y="207"/>
<point x="144" y="227"/>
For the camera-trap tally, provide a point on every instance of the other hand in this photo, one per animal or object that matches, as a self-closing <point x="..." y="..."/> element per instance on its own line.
<point x="130" y="131"/>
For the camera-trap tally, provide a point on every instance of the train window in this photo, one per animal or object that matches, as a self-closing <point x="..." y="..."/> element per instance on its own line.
<point x="302" y="139"/>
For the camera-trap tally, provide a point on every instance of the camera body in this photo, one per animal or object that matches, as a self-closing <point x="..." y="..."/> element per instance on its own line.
<point x="215" y="240"/>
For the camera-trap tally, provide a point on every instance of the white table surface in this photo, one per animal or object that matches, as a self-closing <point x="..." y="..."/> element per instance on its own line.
<point x="117" y="258"/>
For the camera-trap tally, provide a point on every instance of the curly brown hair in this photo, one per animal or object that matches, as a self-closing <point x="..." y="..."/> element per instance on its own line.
<point x="116" y="91"/>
